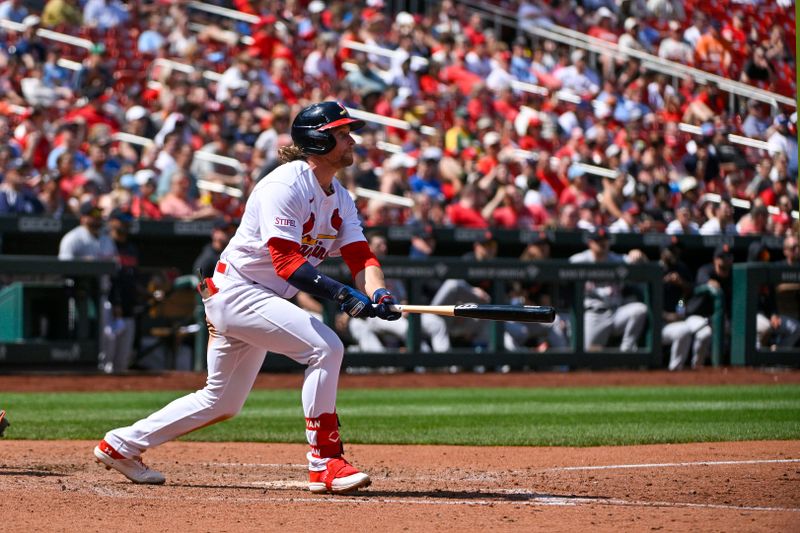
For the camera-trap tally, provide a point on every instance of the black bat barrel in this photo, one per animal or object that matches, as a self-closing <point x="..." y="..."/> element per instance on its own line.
<point x="509" y="313"/>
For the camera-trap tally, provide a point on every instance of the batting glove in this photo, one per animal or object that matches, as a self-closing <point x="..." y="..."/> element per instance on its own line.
<point x="385" y="300"/>
<point x="354" y="303"/>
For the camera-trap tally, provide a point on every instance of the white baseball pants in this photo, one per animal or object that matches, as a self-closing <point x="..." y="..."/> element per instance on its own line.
<point x="249" y="320"/>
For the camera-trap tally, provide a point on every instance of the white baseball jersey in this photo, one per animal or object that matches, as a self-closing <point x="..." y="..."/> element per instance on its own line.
<point x="290" y="204"/>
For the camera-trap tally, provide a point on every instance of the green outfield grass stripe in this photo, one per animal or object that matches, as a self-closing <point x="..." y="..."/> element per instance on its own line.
<point x="509" y="416"/>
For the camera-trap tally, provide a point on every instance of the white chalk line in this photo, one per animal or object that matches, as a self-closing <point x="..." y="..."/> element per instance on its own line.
<point x="260" y="465"/>
<point x="534" y="500"/>
<point x="670" y="465"/>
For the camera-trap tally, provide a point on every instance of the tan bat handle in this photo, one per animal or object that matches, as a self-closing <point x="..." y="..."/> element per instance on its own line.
<point x="511" y="313"/>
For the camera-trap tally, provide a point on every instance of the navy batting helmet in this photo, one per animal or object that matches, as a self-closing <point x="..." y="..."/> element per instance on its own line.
<point x="311" y="125"/>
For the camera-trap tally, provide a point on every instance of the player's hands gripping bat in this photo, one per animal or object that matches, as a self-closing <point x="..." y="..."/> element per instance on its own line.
<point x="385" y="301"/>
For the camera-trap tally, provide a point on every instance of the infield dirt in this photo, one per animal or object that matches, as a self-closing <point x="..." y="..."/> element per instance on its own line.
<point x="736" y="486"/>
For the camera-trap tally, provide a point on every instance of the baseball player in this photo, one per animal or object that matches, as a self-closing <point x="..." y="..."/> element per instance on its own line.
<point x="295" y="217"/>
<point x="604" y="310"/>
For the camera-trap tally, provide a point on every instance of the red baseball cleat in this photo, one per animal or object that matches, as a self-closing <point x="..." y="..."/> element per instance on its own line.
<point x="133" y="469"/>
<point x="340" y="477"/>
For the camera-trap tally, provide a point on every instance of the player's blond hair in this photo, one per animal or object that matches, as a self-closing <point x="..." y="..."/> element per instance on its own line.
<point x="287" y="154"/>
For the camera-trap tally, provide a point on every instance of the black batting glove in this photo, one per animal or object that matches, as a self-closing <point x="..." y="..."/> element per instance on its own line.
<point x="354" y="303"/>
<point x="385" y="300"/>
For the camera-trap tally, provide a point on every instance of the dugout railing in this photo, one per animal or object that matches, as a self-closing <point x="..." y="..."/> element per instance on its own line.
<point x="565" y="285"/>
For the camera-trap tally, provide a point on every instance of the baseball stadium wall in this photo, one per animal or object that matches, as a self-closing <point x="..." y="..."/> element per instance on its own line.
<point x="52" y="312"/>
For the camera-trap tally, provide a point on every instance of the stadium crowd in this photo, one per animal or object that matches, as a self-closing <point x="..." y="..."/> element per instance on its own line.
<point x="479" y="150"/>
<point x="500" y="157"/>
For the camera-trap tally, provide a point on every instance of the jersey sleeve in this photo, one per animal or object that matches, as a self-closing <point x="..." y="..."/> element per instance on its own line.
<point x="280" y="213"/>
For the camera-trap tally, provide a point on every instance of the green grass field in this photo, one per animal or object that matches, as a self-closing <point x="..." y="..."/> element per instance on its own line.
<point x="510" y="416"/>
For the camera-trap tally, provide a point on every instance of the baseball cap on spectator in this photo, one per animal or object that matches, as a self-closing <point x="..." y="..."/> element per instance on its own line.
<point x="423" y="231"/>
<point x="485" y="237"/>
<point x="687" y="183"/>
<point x="575" y="171"/>
<point x="123" y="215"/>
<point x="316" y="6"/>
<point x="613" y="150"/>
<point x="723" y="251"/>
<point x="144" y="176"/>
<point x="757" y="252"/>
<point x="604" y="12"/>
<point x="400" y="160"/>
<point x="674" y="25"/>
<point x="577" y="55"/>
<point x="128" y="181"/>
<point x="630" y="23"/>
<point x="484" y="123"/>
<point x="599" y="234"/>
<point x="431" y="153"/>
<point x="90" y="209"/>
<point x="404" y="18"/>
<point x="135" y="113"/>
<point x="491" y="138"/>
<point x="31" y="20"/>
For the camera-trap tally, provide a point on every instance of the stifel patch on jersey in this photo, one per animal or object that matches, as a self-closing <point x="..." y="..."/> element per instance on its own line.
<point x="281" y="221"/>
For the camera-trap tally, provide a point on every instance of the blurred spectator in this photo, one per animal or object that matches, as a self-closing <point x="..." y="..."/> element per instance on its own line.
<point x="757" y="70"/>
<point x="120" y="331"/>
<point x="143" y="204"/>
<point x="206" y="262"/>
<point x="16" y="197"/>
<point x="152" y="39"/>
<point x="542" y="336"/>
<point x="426" y="179"/>
<point x="466" y="212"/>
<point x="712" y="50"/>
<point x="719" y="276"/>
<point x="104" y="14"/>
<point x="507" y="210"/>
<point x="674" y="48"/>
<point x="683" y="223"/>
<point x="630" y="39"/>
<point x="13" y="10"/>
<point x="721" y="223"/>
<point x="757" y="121"/>
<point x="579" y="78"/>
<point x="686" y="333"/>
<point x="784" y="141"/>
<point x="58" y="12"/>
<point x="772" y="328"/>
<point x="693" y="33"/>
<point x="178" y="204"/>
<point x="605" y="310"/>
<point x="50" y="196"/>
<point x="87" y="240"/>
<point x="755" y="222"/>
<point x="94" y="76"/>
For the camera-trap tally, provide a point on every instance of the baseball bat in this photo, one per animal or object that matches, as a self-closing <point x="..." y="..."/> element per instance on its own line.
<point x="511" y="313"/>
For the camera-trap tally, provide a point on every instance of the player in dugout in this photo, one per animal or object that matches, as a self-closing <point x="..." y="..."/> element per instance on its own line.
<point x="296" y="217"/>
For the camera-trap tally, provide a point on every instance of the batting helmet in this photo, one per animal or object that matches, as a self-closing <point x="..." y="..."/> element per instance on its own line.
<point x="311" y="125"/>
